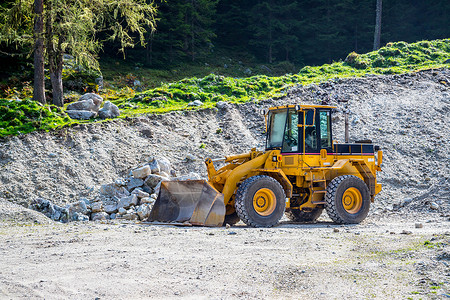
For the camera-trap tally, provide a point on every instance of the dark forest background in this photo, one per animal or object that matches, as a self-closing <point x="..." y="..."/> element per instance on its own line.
<point x="301" y="32"/>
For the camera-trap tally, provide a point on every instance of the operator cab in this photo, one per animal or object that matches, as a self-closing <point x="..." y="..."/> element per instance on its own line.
<point x="296" y="129"/>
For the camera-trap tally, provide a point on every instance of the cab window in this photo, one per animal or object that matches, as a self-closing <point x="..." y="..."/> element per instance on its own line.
<point x="290" y="142"/>
<point x="325" y="130"/>
<point x="310" y="132"/>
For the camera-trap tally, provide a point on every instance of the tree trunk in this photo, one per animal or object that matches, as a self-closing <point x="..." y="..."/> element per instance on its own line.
<point x="377" y="35"/>
<point x="39" y="77"/>
<point x="55" y="59"/>
<point x="56" y="68"/>
<point x="57" y="87"/>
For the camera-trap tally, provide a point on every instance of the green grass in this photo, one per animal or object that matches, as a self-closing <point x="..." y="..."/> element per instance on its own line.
<point x="395" y="58"/>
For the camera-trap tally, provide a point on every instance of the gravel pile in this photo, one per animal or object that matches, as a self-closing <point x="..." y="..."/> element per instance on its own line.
<point x="407" y="115"/>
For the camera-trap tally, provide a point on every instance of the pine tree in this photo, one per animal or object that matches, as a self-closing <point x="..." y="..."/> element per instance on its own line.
<point x="70" y="27"/>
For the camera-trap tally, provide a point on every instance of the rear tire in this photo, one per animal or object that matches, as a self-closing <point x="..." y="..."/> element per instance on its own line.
<point x="347" y="200"/>
<point x="260" y="201"/>
<point x="297" y="215"/>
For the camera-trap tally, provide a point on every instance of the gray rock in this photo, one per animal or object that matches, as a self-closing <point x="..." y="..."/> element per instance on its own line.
<point x="87" y="105"/>
<point x="112" y="216"/>
<point x="80" y="217"/>
<point x="122" y="211"/>
<point x="141" y="172"/>
<point x="140" y="193"/>
<point x="58" y="213"/>
<point x="143" y="212"/>
<point x="120" y="182"/>
<point x="434" y="206"/>
<point x="147" y="200"/>
<point x="99" y="216"/>
<point x="112" y="190"/>
<point x="154" y="166"/>
<point x="111" y="208"/>
<point x="79" y="207"/>
<point x="195" y="103"/>
<point x="126" y="202"/>
<point x="81" y="114"/>
<point x="221" y="104"/>
<point x="152" y="180"/>
<point x="109" y="111"/>
<point x="147" y="189"/>
<point x="97" y="207"/>
<point x="164" y="164"/>
<point x="97" y="99"/>
<point x="134" y="183"/>
<point x="419" y="225"/>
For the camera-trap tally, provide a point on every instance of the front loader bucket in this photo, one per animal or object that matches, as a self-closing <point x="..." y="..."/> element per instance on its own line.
<point x="193" y="201"/>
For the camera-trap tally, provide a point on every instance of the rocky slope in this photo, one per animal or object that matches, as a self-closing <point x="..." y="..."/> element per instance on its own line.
<point x="407" y="115"/>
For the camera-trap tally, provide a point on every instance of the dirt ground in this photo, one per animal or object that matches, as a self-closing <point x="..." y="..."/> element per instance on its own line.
<point x="381" y="258"/>
<point x="385" y="257"/>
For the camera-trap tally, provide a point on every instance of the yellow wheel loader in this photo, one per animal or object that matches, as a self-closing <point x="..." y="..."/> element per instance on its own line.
<point x="301" y="172"/>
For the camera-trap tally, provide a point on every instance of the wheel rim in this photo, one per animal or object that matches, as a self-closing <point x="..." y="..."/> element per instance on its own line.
<point x="264" y="202"/>
<point x="352" y="200"/>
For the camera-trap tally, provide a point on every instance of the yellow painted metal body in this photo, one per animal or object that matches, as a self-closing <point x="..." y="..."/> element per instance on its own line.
<point x="296" y="171"/>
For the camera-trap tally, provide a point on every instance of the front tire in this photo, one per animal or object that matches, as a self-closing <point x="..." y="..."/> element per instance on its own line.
<point x="347" y="200"/>
<point x="260" y="201"/>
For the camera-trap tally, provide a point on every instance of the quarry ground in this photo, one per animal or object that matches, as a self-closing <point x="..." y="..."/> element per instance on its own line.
<point x="381" y="258"/>
<point x="385" y="257"/>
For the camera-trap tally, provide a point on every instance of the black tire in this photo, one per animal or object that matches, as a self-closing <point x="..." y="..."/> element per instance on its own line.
<point x="335" y="203"/>
<point x="244" y="201"/>
<point x="231" y="219"/>
<point x="297" y="215"/>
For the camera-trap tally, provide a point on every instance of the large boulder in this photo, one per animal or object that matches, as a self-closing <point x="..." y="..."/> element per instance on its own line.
<point x="127" y="202"/>
<point x="97" y="207"/>
<point x="97" y="99"/>
<point x="141" y="172"/>
<point x="77" y="208"/>
<point x="164" y="164"/>
<point x="112" y="190"/>
<point x="154" y="166"/>
<point x="143" y="211"/>
<point x="109" y="111"/>
<point x="134" y="183"/>
<point x="111" y="208"/>
<point x="152" y="180"/>
<point x="85" y="108"/>
<point x="87" y="105"/>
<point x="140" y="193"/>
